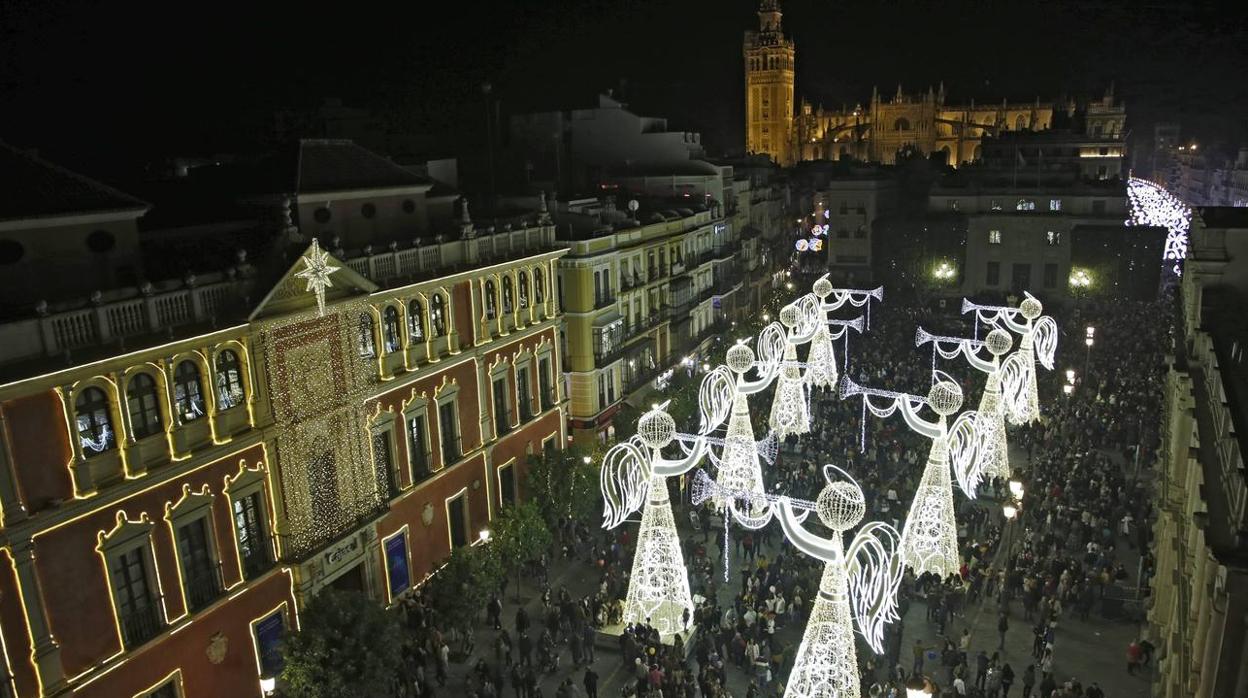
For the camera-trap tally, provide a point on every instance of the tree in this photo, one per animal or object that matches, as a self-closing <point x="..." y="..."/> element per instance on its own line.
<point x="459" y="590"/>
<point x="348" y="646"/>
<point x="563" y="485"/>
<point x="520" y="535"/>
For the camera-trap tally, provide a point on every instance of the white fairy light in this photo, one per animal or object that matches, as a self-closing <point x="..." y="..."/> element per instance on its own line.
<point x="317" y="270"/>
<point x="1018" y="372"/>
<point x="790" y="414"/>
<point x="858" y="589"/>
<point x="634" y="475"/>
<point x="929" y="540"/>
<point x="990" y="419"/>
<point x="1153" y="205"/>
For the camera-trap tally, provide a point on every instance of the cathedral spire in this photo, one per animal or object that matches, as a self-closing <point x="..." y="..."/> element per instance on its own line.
<point x="769" y="16"/>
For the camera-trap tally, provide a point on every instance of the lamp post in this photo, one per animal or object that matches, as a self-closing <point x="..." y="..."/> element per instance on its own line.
<point x="1087" y="340"/>
<point x="268" y="685"/>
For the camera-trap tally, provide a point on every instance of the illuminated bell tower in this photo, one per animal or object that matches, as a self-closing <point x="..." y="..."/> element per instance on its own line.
<point x="769" y="60"/>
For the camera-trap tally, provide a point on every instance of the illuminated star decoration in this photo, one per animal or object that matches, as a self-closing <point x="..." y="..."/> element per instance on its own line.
<point x="317" y="270"/>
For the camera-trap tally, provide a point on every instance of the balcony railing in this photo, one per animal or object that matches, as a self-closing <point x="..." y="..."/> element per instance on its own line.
<point x="422" y="465"/>
<point x="502" y="422"/>
<point x="451" y="451"/>
<point x="603" y="357"/>
<point x="140" y="625"/>
<point x="208" y="299"/>
<point x="257" y="560"/>
<point x="203" y="587"/>
<point x="603" y="301"/>
<point x="548" y="399"/>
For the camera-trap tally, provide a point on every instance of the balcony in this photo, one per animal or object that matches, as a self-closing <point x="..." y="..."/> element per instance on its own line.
<point x="202" y="587"/>
<point x="422" y="465"/>
<point x="140" y="625"/>
<point x="549" y="399"/>
<point x="601" y="302"/>
<point x="726" y="250"/>
<point x="256" y="561"/>
<point x="502" y="423"/>
<point x="451" y="450"/>
<point x="604" y="357"/>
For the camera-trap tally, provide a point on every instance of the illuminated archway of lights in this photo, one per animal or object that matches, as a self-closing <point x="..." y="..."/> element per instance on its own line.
<point x="1153" y="205"/>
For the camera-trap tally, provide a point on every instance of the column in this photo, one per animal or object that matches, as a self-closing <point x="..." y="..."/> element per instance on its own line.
<point x="11" y="506"/>
<point x="81" y="470"/>
<point x="47" y="649"/>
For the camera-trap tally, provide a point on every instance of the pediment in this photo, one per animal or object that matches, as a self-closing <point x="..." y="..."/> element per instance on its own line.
<point x="291" y="293"/>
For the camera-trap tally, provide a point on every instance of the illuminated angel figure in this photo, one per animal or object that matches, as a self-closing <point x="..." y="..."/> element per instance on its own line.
<point x="856" y="297"/>
<point x="634" y="476"/>
<point x="1018" y="372"/>
<point x="990" y="422"/>
<point x="858" y="587"/>
<point x="821" y="371"/>
<point x="740" y="468"/>
<point x="790" y="411"/>
<point x="929" y="539"/>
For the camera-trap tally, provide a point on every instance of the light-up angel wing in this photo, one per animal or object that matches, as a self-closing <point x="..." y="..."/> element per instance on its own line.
<point x="874" y="570"/>
<point x="770" y="345"/>
<point x="1044" y="339"/>
<point x="965" y="453"/>
<point x="809" y="316"/>
<point x="715" y="399"/>
<point x="1014" y="387"/>
<point x="625" y="481"/>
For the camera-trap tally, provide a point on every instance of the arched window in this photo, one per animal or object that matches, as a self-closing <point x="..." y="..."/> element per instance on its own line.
<point x="508" y="294"/>
<point x="524" y="290"/>
<point x="416" y="321"/>
<point x="188" y="394"/>
<point x="437" y="314"/>
<point x="539" y="287"/>
<point x="901" y="124"/>
<point x="491" y="303"/>
<point x="143" y="401"/>
<point x="229" y="381"/>
<point x="95" y="423"/>
<point x="365" y="342"/>
<point x="390" y="323"/>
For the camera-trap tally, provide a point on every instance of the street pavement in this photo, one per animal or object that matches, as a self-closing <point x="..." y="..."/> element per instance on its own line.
<point x="1091" y="650"/>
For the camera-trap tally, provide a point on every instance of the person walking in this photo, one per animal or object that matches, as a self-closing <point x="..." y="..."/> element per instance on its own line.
<point x="981" y="669"/>
<point x="1135" y="654"/>
<point x="1029" y="680"/>
<point x="1007" y="680"/>
<point x="590" y="681"/>
<point x="1003" y="624"/>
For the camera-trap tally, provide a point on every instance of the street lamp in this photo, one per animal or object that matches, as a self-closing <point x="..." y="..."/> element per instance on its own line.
<point x="586" y="460"/>
<point x="944" y="271"/>
<point x="1010" y="510"/>
<point x="1016" y="489"/>
<point x="484" y="535"/>
<point x="268" y="684"/>
<point x="1068" y="389"/>
<point x="1070" y="376"/>
<point x="1087" y="357"/>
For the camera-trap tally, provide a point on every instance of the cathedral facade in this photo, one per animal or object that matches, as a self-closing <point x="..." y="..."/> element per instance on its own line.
<point x="874" y="132"/>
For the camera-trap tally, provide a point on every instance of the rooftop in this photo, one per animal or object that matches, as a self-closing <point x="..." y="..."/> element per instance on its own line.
<point x="324" y="165"/>
<point x="36" y="188"/>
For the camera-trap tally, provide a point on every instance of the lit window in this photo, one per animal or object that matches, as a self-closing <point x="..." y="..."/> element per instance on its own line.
<point x="249" y="525"/>
<point x="1054" y="238"/>
<point x="996" y="205"/>
<point x="144" y="404"/>
<point x="229" y="380"/>
<point x="416" y="321"/>
<point x="1025" y="205"/>
<point x="187" y="392"/>
<point x="953" y="204"/>
<point x="437" y="315"/>
<point x="390" y="325"/>
<point x="491" y="302"/>
<point x="994" y="237"/>
<point x="95" y="424"/>
<point x="1055" y="204"/>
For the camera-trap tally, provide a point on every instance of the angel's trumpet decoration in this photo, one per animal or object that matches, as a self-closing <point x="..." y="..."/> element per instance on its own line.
<point x="858" y="587"/>
<point x="821" y="370"/>
<point x="857" y="297"/>
<point x="1018" y="372"/>
<point x="929" y="539"/>
<point x="990" y="419"/>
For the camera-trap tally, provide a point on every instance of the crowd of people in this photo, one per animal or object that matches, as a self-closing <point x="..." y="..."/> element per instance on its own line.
<point x="1064" y="557"/>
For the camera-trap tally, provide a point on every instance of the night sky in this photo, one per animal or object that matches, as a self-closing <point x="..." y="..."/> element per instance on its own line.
<point x="104" y="87"/>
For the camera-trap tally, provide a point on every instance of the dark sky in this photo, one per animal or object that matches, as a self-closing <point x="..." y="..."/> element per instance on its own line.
<point x="98" y="84"/>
